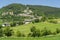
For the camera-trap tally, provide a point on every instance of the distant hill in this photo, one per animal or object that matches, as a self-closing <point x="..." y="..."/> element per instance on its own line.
<point x="38" y="10"/>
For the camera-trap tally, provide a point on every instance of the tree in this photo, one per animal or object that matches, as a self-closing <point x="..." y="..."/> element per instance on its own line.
<point x="36" y="20"/>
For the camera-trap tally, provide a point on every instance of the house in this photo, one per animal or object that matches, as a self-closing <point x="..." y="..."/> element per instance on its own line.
<point x="6" y="13"/>
<point x="27" y="21"/>
<point x="27" y="11"/>
<point x="6" y="24"/>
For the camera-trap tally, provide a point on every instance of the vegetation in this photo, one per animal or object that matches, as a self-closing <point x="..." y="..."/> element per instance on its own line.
<point x="18" y="34"/>
<point x="38" y="28"/>
<point x="53" y="21"/>
<point x="45" y="11"/>
<point x="34" y="32"/>
<point x="8" y="32"/>
<point x="1" y="33"/>
<point x="46" y="32"/>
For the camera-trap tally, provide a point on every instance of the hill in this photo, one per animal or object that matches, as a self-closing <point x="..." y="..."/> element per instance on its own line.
<point x="38" y="10"/>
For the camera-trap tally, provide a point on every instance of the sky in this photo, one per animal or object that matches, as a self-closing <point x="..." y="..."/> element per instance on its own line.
<point x="53" y="3"/>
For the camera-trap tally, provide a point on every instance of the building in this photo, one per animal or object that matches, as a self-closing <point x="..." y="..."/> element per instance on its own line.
<point x="27" y="11"/>
<point x="27" y="21"/>
<point x="5" y="24"/>
<point x="6" y="13"/>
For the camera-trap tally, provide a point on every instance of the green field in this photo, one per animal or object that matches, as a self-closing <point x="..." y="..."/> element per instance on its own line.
<point x="26" y="29"/>
<point x="31" y="38"/>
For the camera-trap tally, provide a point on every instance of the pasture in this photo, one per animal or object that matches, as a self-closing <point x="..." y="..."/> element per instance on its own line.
<point x="26" y="27"/>
<point x="31" y="38"/>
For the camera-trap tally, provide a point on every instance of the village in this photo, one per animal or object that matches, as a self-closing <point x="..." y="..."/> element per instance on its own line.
<point x="26" y="13"/>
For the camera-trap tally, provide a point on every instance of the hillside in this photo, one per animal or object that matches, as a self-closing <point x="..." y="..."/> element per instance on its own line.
<point x="37" y="9"/>
<point x="26" y="29"/>
<point x="16" y="9"/>
<point x="25" y="22"/>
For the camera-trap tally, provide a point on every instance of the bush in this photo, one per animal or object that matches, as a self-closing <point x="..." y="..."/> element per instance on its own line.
<point x="0" y="26"/>
<point x="57" y="30"/>
<point x="20" y="23"/>
<point x="1" y="32"/>
<point x="8" y="31"/>
<point x="46" y="32"/>
<point x="33" y="29"/>
<point x="13" y="24"/>
<point x="54" y="33"/>
<point x="36" y="20"/>
<point x="19" y="34"/>
<point x="30" y="34"/>
<point x="34" y="32"/>
<point x="52" y="21"/>
<point x="43" y="19"/>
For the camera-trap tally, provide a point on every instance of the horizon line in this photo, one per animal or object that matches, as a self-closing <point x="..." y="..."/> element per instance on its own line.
<point x="30" y="4"/>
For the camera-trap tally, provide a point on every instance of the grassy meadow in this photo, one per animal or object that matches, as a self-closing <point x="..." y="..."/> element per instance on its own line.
<point x="32" y="38"/>
<point x="26" y="27"/>
<point x="41" y="25"/>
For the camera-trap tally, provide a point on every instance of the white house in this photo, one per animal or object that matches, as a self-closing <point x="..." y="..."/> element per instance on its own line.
<point x="5" y="24"/>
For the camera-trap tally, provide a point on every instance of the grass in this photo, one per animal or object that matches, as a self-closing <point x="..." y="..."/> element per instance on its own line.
<point x="31" y="38"/>
<point x="26" y="27"/>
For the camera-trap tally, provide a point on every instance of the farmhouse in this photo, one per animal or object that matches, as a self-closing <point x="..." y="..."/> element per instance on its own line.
<point x="5" y="24"/>
<point x="27" y="21"/>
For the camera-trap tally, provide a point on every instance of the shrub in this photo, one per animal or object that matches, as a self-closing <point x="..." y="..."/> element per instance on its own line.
<point x="36" y="33"/>
<point x="57" y="30"/>
<point x="0" y="26"/>
<point x="33" y="29"/>
<point x="36" y="20"/>
<point x="1" y="32"/>
<point x="19" y="34"/>
<point x="33" y="22"/>
<point x="43" y="19"/>
<point x="13" y="24"/>
<point x="8" y="31"/>
<point x="30" y="34"/>
<point x="54" y="33"/>
<point x="20" y="23"/>
<point x="46" y="32"/>
<point x="52" y="21"/>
